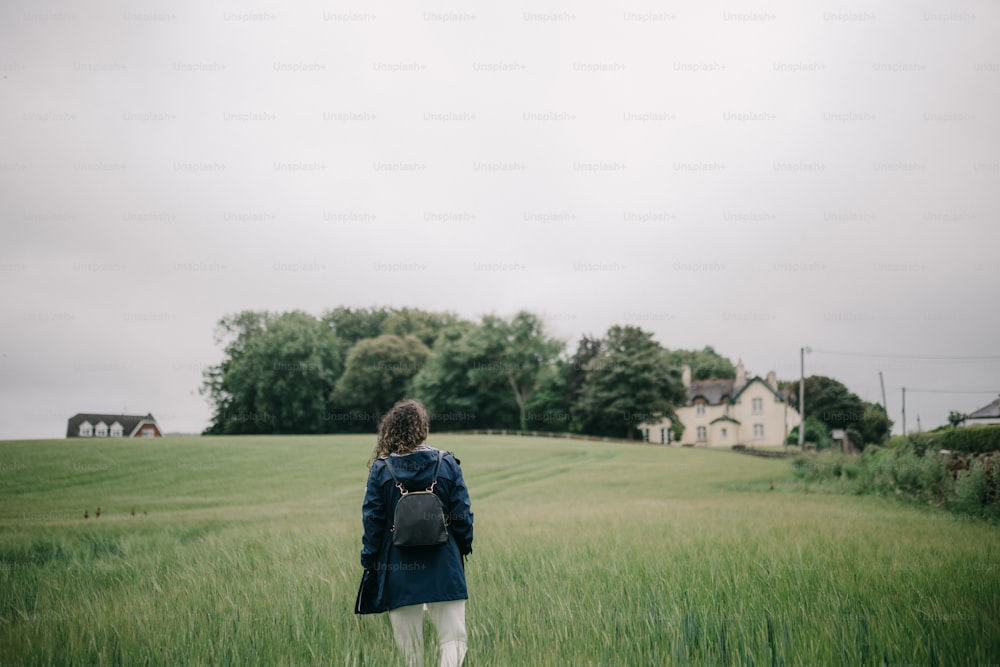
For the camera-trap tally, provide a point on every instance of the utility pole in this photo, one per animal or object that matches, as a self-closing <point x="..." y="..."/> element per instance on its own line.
<point x="885" y="405"/>
<point x="919" y="428"/>
<point x="802" y="399"/>
<point x="904" y="411"/>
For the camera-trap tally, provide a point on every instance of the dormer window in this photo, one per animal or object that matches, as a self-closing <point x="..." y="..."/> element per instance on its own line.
<point x="116" y="430"/>
<point x="699" y="409"/>
<point x="86" y="430"/>
<point x="758" y="406"/>
<point x="101" y="430"/>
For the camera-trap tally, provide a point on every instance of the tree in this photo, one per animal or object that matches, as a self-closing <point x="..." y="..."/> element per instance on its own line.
<point x="828" y="400"/>
<point x="487" y="372"/>
<point x="277" y="375"/>
<point x="628" y="383"/>
<point x="423" y="324"/>
<point x="559" y="384"/>
<point x="874" y="428"/>
<point x="377" y="373"/>
<point x="955" y="418"/>
<point x="233" y="332"/>
<point x="576" y="369"/>
<point x="705" y="364"/>
<point x="513" y="353"/>
<point x="453" y="398"/>
<point x="834" y="405"/>
<point x="355" y="324"/>
<point x="547" y="409"/>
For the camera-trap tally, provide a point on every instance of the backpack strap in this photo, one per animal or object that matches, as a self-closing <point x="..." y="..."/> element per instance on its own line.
<point x="437" y="468"/>
<point x="399" y="485"/>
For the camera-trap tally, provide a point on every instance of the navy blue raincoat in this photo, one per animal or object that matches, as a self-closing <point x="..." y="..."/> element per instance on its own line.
<point x="400" y="577"/>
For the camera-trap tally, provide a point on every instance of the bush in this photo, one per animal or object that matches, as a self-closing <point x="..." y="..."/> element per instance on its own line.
<point x="971" y="440"/>
<point x="812" y="467"/>
<point x="971" y="490"/>
<point x="906" y="472"/>
<point x="816" y="433"/>
<point x="993" y="491"/>
<point x="902" y="472"/>
<point x="871" y="451"/>
<point x="920" y="443"/>
<point x="935" y="479"/>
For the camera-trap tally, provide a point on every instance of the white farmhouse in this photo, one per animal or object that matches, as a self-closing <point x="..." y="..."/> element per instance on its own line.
<point x="727" y="412"/>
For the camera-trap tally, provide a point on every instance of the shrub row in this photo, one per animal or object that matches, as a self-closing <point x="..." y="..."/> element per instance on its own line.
<point x="903" y="471"/>
<point x="971" y="440"/>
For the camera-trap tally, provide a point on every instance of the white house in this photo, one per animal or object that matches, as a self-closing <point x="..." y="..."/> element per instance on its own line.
<point x="988" y="414"/>
<point x="727" y="412"/>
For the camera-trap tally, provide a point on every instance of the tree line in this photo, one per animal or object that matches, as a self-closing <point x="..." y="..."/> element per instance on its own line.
<point x="294" y="372"/>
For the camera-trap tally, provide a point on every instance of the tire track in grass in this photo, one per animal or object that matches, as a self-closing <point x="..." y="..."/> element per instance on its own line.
<point x="530" y="471"/>
<point x="496" y="473"/>
<point x="514" y="476"/>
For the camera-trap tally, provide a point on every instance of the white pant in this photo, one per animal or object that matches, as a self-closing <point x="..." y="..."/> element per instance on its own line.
<point x="448" y="617"/>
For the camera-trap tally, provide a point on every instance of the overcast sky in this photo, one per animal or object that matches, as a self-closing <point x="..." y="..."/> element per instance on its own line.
<point x="756" y="177"/>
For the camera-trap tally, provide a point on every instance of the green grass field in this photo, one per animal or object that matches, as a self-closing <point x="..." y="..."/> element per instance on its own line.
<point x="244" y="551"/>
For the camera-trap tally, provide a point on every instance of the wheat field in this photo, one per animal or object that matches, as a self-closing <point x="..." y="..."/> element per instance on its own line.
<point x="244" y="551"/>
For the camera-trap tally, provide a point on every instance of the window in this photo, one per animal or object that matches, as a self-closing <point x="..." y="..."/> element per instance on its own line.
<point x="101" y="430"/>
<point x="758" y="406"/>
<point x="86" y="430"/>
<point x="116" y="430"/>
<point x="645" y="434"/>
<point x="700" y="409"/>
<point x="758" y="431"/>
<point x="148" y="432"/>
<point x="665" y="436"/>
<point x="724" y="433"/>
<point x="702" y="434"/>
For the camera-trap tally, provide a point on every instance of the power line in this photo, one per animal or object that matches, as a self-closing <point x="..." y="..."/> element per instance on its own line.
<point x="950" y="391"/>
<point x="889" y="355"/>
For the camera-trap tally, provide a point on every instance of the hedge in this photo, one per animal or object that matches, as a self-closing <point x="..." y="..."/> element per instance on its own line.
<point x="971" y="440"/>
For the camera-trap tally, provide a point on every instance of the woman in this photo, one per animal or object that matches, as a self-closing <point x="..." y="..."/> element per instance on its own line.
<point x="405" y="581"/>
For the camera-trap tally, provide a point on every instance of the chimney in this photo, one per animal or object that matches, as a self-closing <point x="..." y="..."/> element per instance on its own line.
<point x="772" y="380"/>
<point x="686" y="376"/>
<point x="741" y="376"/>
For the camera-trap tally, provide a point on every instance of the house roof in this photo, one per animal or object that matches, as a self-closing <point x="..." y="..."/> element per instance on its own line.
<point x="990" y="411"/>
<point x="711" y="390"/>
<point x="714" y="391"/>
<point x="129" y="422"/>
<point x="758" y="378"/>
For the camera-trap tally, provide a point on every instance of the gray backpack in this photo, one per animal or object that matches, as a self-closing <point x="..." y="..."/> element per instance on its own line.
<point x="419" y="520"/>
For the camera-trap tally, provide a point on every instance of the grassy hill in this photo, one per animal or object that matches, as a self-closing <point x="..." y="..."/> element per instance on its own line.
<point x="244" y="550"/>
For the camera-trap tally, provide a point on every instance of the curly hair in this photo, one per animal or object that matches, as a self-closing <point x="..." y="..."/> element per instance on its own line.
<point x="401" y="430"/>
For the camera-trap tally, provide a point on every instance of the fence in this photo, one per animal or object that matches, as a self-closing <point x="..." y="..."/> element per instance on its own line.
<point x="551" y="434"/>
<point x="742" y="449"/>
